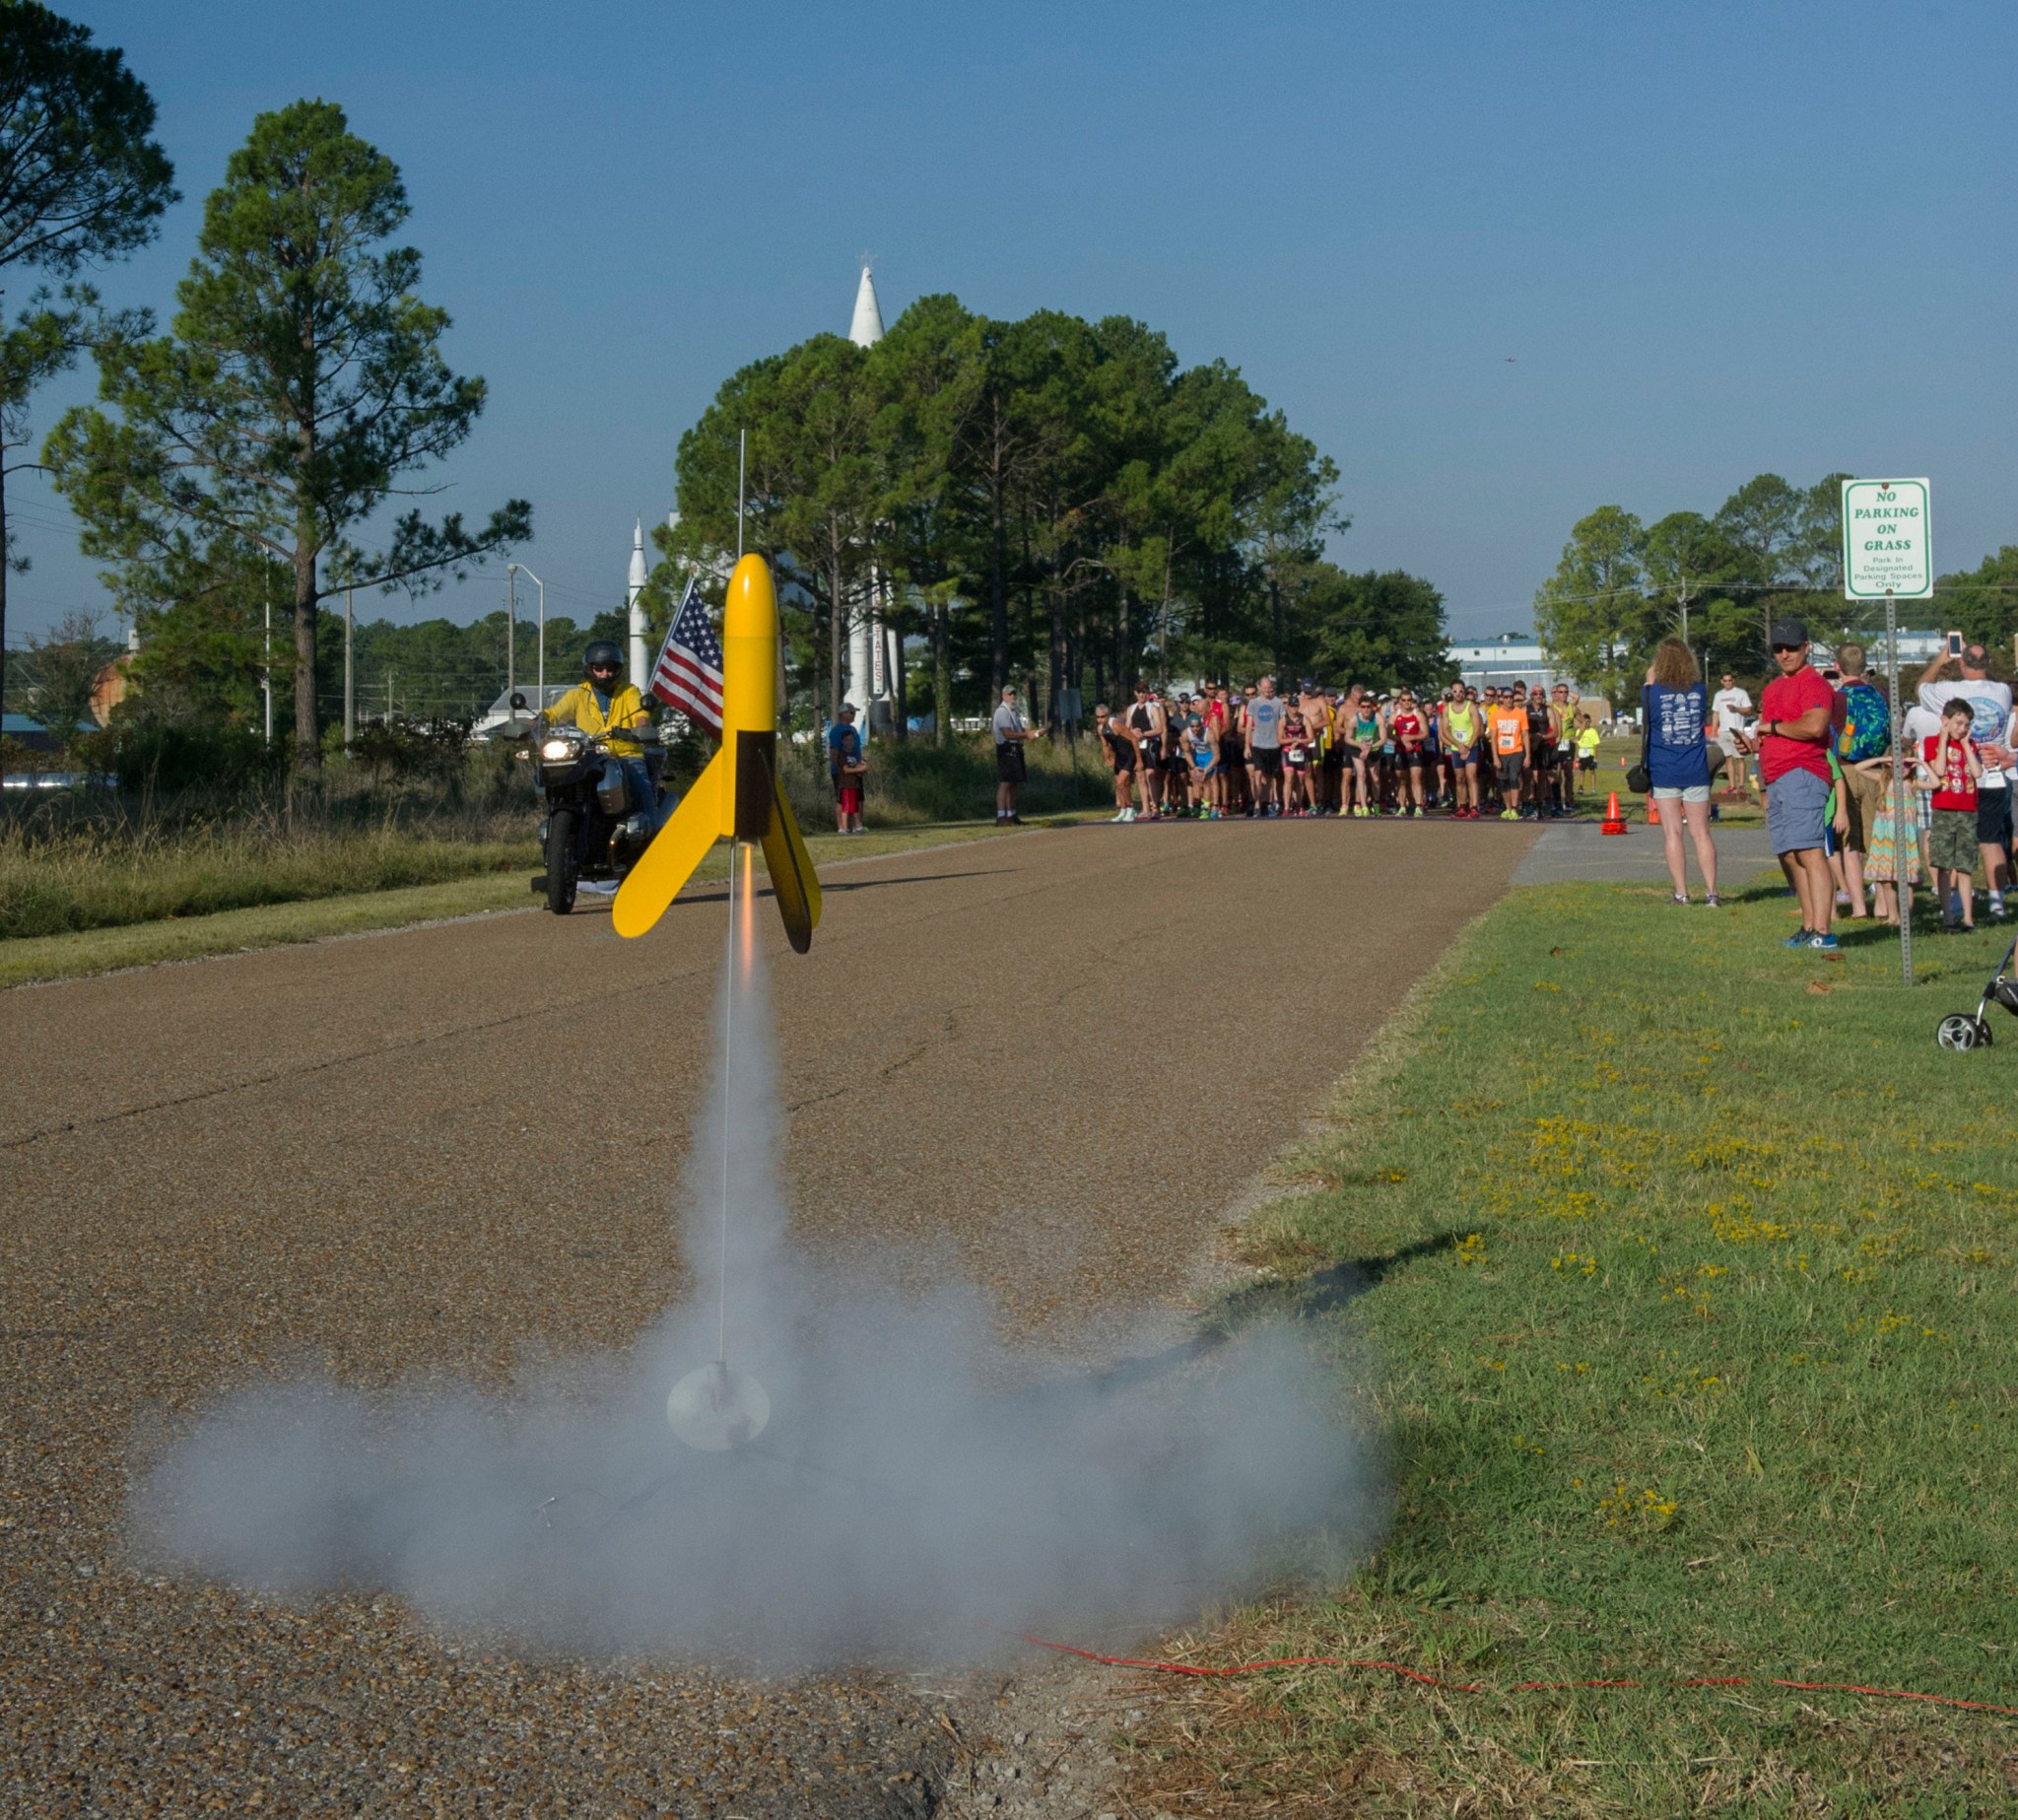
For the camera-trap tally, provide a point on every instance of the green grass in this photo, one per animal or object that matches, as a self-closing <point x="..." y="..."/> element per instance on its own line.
<point x="915" y="784"/>
<point x="1688" y="1311"/>
<point x="91" y="883"/>
<point x="1615" y="757"/>
<point x="27" y="960"/>
<point x="102" y="860"/>
<point x="36" y="958"/>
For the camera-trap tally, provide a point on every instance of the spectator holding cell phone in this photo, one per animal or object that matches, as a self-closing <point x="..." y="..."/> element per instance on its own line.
<point x="1964" y="675"/>
<point x="1956" y="762"/>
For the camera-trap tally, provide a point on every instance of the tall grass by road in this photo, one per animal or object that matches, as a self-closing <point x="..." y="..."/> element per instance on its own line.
<point x="102" y="859"/>
<point x="914" y="783"/>
<point x="100" y="864"/>
<point x="1690" y="1270"/>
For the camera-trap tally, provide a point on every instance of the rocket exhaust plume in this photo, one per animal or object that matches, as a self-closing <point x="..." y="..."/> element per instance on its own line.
<point x="858" y="1475"/>
<point x="719" y="1407"/>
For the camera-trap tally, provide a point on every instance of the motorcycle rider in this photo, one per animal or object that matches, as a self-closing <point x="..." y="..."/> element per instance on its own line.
<point x="606" y="706"/>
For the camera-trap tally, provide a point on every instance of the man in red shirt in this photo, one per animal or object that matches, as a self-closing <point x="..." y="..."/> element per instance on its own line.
<point x="1791" y="740"/>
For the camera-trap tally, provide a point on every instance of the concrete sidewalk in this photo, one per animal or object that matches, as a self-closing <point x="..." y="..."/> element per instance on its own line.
<point x="1571" y="851"/>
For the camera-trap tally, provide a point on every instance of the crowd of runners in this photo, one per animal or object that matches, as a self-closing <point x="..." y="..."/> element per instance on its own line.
<point x="1509" y="753"/>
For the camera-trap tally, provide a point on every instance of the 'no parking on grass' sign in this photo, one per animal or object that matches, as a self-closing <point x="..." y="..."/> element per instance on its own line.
<point x="1885" y="547"/>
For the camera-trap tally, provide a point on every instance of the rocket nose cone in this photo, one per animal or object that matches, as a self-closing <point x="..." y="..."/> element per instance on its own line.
<point x="751" y="611"/>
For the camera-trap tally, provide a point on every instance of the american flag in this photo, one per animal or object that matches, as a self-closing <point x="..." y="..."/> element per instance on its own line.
<point x="688" y="675"/>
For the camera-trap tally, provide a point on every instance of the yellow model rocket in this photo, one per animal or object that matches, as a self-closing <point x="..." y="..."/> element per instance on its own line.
<point x="736" y="798"/>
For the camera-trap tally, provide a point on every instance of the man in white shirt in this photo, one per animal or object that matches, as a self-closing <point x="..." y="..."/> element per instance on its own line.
<point x="1011" y="731"/>
<point x="1732" y="706"/>
<point x="1989" y="704"/>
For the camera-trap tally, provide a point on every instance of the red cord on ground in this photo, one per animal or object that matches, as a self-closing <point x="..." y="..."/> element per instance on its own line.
<point x="1521" y="1687"/>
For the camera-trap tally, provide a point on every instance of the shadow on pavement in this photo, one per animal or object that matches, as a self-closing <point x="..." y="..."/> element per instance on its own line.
<point x="855" y="884"/>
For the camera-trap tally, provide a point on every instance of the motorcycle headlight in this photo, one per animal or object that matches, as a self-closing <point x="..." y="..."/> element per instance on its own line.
<point x="556" y="749"/>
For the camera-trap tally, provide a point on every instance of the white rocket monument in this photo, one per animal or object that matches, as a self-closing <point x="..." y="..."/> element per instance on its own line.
<point x="638" y="673"/>
<point x="867" y="328"/>
<point x="871" y="669"/>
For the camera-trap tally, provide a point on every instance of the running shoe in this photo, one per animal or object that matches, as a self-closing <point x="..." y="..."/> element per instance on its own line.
<point x="1509" y="815"/>
<point x="1127" y="815"/>
<point x="1713" y="902"/>
<point x="1824" y="944"/>
<point x="1119" y="815"/>
<point x="1680" y="898"/>
<point x="1799" y="939"/>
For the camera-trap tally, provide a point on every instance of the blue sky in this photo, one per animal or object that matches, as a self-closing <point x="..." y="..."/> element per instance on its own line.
<point x="1503" y="263"/>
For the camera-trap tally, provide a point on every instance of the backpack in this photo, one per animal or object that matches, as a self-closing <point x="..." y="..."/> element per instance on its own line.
<point x="1866" y="724"/>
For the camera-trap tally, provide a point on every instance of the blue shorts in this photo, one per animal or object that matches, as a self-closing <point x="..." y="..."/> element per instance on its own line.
<point x="1796" y="811"/>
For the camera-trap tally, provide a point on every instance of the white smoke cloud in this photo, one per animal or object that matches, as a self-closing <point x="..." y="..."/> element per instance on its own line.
<point x="921" y="1494"/>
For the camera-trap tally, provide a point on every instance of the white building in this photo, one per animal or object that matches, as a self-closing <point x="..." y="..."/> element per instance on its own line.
<point x="1508" y="660"/>
<point x="1505" y="661"/>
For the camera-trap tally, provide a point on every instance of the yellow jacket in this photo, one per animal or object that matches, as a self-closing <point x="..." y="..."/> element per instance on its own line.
<point x="578" y="708"/>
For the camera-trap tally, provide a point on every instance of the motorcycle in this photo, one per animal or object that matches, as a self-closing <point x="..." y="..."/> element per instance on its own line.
<point x="593" y="830"/>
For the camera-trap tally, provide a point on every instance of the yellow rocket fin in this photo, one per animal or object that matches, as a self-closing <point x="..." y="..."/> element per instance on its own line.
<point x="793" y="882"/>
<point x="675" y="851"/>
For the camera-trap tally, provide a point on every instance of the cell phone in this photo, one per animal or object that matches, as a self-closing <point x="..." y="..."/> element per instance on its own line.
<point x="1954" y="644"/>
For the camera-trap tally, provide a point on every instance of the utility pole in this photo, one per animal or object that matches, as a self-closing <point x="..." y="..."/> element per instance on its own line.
<point x="350" y="669"/>
<point x="510" y="627"/>
<point x="266" y="680"/>
<point x="388" y="701"/>
<point x="511" y="571"/>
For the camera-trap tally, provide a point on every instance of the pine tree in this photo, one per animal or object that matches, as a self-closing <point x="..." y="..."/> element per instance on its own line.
<point x="302" y="387"/>
<point x="80" y="180"/>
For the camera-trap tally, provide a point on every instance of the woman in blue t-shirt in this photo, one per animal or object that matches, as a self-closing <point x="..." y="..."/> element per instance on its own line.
<point x="1675" y="706"/>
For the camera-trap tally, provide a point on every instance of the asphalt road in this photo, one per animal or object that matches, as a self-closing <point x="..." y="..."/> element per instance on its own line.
<point x="1050" y="1062"/>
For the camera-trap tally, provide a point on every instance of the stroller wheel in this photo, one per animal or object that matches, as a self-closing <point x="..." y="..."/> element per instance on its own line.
<point x="1958" y="1030"/>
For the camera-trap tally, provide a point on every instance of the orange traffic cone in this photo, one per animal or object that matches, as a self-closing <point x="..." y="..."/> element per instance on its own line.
<point x="1614" y="822"/>
<point x="1653" y="813"/>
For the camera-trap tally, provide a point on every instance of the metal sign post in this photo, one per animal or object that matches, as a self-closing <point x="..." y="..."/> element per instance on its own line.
<point x="1887" y="550"/>
<point x="1901" y="856"/>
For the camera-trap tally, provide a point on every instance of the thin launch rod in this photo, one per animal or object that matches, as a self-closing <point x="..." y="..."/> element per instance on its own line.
<point x="728" y="1027"/>
<point x="742" y="467"/>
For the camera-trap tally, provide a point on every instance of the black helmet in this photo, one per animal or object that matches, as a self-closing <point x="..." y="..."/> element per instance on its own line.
<point x="602" y="651"/>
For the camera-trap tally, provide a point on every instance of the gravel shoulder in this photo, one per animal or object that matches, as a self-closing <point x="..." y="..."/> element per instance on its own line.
<point x="370" y="1156"/>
